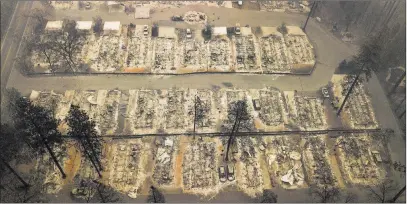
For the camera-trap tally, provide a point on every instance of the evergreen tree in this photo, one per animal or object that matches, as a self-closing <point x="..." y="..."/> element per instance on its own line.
<point x="82" y="129"/>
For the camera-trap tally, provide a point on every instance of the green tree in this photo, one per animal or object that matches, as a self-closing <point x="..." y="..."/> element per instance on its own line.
<point x="82" y="129"/>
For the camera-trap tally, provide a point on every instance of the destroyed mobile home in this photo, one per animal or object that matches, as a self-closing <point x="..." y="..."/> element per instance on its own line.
<point x="361" y="159"/>
<point x="177" y="110"/>
<point x="359" y="111"/>
<point x="136" y="48"/>
<point x="283" y="158"/>
<point x="197" y="166"/>
<point x="127" y="166"/>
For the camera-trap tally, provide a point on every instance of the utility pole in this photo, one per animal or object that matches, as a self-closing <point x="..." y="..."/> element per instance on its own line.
<point x="397" y="84"/>
<point x="401" y="103"/>
<point x="349" y="91"/>
<point x="403" y="113"/>
<point x="99" y="192"/>
<point x="398" y="195"/>
<point x="309" y="15"/>
<point x="195" y="115"/>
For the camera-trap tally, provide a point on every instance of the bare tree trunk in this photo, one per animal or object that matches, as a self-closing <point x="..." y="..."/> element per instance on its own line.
<point x="393" y="200"/>
<point x="100" y="193"/>
<point x="15" y="173"/>
<point x="349" y="92"/>
<point x="91" y="160"/>
<point x="309" y="14"/>
<point x="397" y="84"/>
<point x="93" y="152"/>
<point x="231" y="137"/>
<point x="54" y="158"/>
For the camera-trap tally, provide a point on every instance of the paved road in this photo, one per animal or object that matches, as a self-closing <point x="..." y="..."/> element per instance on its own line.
<point x="10" y="45"/>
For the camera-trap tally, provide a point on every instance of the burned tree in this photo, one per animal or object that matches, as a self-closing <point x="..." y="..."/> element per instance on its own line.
<point x="268" y="197"/>
<point x="240" y="118"/>
<point x="69" y="44"/>
<point x="155" y="196"/>
<point x="325" y="193"/>
<point x="41" y="17"/>
<point x="95" y="192"/>
<point x="9" y="145"/>
<point x="37" y="126"/>
<point x="106" y="194"/>
<point x="82" y="129"/>
<point x="368" y="61"/>
<point x="98" y="25"/>
<point x="200" y="112"/>
<point x="12" y="192"/>
<point x="207" y="32"/>
<point x="282" y="29"/>
<point x="382" y="192"/>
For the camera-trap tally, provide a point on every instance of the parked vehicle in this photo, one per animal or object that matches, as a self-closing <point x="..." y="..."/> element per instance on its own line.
<point x="145" y="30"/>
<point x="237" y="29"/>
<point x="222" y="174"/>
<point x="231" y="172"/>
<point x="325" y="92"/>
<point x="189" y="33"/>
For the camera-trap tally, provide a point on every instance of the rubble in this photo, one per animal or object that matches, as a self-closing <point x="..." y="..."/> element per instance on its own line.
<point x="131" y="49"/>
<point x="284" y="161"/>
<point x="316" y="161"/>
<point x="300" y="49"/>
<point x="107" y="54"/>
<point x="142" y="110"/>
<point x="271" y="104"/>
<point x="274" y="55"/>
<point x="195" y="55"/>
<point x="356" y="156"/>
<point x="307" y="113"/>
<point x="285" y="6"/>
<point x="205" y="109"/>
<point x="53" y="181"/>
<point x="200" y="167"/>
<point x="139" y="52"/>
<point x="164" y="157"/>
<point x="249" y="174"/>
<point x="247" y="58"/>
<point x="164" y="55"/>
<point x="108" y="111"/>
<point x="175" y="109"/>
<point x="194" y="17"/>
<point x="220" y="54"/>
<point x="358" y="112"/>
<point x="127" y="166"/>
